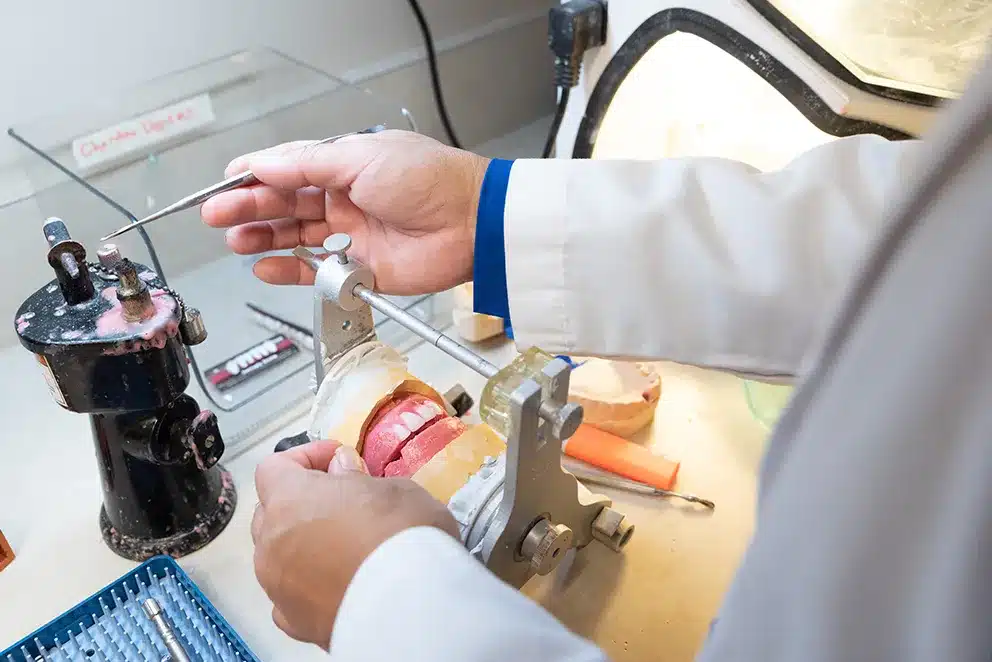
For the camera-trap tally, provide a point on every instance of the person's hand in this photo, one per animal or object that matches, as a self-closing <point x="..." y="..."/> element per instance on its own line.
<point x="408" y="202"/>
<point x="319" y="516"/>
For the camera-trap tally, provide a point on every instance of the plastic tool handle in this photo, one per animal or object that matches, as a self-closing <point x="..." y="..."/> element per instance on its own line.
<point x="292" y="442"/>
<point x="624" y="458"/>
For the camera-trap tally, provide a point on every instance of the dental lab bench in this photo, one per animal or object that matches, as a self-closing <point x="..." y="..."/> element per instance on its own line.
<point x="655" y="600"/>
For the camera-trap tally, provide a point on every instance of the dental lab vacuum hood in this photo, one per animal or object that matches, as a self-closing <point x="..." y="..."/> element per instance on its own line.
<point x="722" y="77"/>
<point x="762" y="81"/>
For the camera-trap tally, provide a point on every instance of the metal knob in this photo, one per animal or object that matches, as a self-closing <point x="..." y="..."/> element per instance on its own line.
<point x="546" y="545"/>
<point x="68" y="258"/>
<point x="565" y="421"/>
<point x="136" y="300"/>
<point x="338" y="245"/>
<point x="109" y="256"/>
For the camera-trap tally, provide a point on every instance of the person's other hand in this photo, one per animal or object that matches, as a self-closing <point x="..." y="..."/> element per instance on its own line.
<point x="319" y="516"/>
<point x="408" y="201"/>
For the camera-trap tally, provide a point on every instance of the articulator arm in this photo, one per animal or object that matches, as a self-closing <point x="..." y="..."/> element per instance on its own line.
<point x="529" y="511"/>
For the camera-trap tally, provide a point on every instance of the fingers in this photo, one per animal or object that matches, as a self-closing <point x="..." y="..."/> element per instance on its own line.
<point x="330" y="166"/>
<point x="256" y="523"/>
<point x="288" y="469"/>
<point x="240" y="164"/>
<point x="275" y="235"/>
<point x="275" y="474"/>
<point x="315" y="456"/>
<point x="347" y="460"/>
<point x="295" y="633"/>
<point x="281" y="621"/>
<point x="283" y="270"/>
<point x="262" y="203"/>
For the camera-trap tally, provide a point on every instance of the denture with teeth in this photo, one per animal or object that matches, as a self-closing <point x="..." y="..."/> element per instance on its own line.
<point x="398" y="423"/>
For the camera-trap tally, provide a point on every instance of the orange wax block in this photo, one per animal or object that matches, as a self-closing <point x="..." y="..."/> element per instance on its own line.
<point x="624" y="458"/>
<point x="6" y="553"/>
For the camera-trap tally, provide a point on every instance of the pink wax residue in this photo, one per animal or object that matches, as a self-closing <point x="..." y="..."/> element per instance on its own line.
<point x="205" y="417"/>
<point x="22" y="322"/>
<point x="154" y="332"/>
<point x="202" y="417"/>
<point x="226" y="480"/>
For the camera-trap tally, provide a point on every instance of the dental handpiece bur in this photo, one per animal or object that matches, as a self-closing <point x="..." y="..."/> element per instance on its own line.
<point x="153" y="610"/>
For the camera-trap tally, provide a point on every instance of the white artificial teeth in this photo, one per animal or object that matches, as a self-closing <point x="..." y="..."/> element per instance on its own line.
<point x="412" y="420"/>
<point x="429" y="412"/>
<point x="401" y="432"/>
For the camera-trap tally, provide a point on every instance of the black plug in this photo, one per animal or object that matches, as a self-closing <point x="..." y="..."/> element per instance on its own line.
<point x="573" y="28"/>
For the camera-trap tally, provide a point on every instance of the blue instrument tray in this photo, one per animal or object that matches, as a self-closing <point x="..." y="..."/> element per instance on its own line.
<point x="112" y="627"/>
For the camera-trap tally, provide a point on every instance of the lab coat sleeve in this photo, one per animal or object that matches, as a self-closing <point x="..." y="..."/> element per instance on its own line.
<point x="703" y="261"/>
<point x="420" y="597"/>
<point x="489" y="265"/>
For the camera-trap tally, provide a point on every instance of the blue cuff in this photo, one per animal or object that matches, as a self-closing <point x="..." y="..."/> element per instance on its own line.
<point x="489" y="271"/>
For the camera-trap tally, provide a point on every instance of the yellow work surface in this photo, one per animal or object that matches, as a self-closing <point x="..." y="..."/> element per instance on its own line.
<point x="653" y="602"/>
<point x="656" y="599"/>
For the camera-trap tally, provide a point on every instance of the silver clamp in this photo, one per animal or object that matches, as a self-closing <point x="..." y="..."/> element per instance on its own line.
<point x="540" y="511"/>
<point x="543" y="512"/>
<point x="340" y="321"/>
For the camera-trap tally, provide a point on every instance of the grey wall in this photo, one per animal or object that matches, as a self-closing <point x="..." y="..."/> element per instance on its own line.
<point x="59" y="55"/>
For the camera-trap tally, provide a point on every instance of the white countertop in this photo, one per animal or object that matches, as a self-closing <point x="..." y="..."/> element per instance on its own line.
<point x="652" y="602"/>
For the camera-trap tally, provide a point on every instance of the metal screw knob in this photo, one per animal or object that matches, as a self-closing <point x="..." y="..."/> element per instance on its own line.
<point x="338" y="245"/>
<point x="567" y="421"/>
<point x="546" y="545"/>
<point x="109" y="256"/>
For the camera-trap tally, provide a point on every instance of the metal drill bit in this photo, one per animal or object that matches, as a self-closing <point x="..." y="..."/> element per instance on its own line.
<point x="172" y="644"/>
<point x="246" y="178"/>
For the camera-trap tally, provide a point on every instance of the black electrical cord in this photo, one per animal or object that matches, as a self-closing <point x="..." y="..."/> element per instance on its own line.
<point x="574" y="27"/>
<point x="442" y="108"/>
<point x="549" y="144"/>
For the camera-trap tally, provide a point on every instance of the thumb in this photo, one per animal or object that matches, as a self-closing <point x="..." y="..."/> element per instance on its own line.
<point x="330" y="166"/>
<point x="346" y="460"/>
<point x="281" y="470"/>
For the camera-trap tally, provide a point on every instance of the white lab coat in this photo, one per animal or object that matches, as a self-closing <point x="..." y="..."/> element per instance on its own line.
<point x="873" y="536"/>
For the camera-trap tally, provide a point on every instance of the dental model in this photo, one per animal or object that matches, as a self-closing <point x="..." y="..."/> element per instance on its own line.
<point x="470" y="325"/>
<point x="398" y="424"/>
<point x="517" y="510"/>
<point x="402" y="428"/>
<point x="616" y="396"/>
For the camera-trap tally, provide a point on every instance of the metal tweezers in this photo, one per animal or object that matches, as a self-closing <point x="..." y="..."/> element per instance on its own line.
<point x="246" y="178"/>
